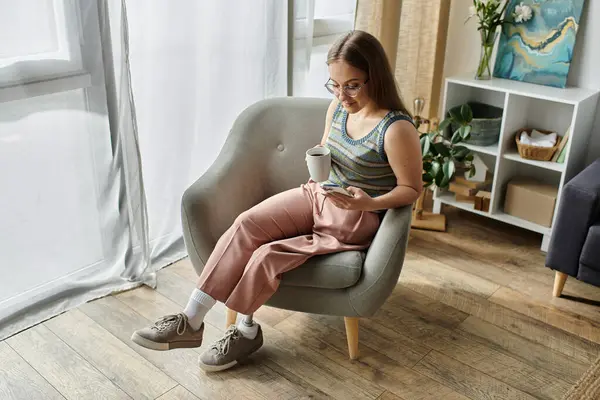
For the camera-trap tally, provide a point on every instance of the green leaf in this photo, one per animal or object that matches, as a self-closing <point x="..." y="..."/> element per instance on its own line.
<point x="444" y="124"/>
<point x="426" y="165"/>
<point x="427" y="178"/>
<point x="466" y="113"/>
<point x="469" y="158"/>
<point x="432" y="136"/>
<point x="457" y="137"/>
<point x="466" y="131"/>
<point x="425" y="144"/>
<point x="442" y="149"/>
<point x="455" y="115"/>
<point x="439" y="178"/>
<point x="472" y="171"/>
<point x="435" y="168"/>
<point x="460" y="152"/>
<point x="449" y="169"/>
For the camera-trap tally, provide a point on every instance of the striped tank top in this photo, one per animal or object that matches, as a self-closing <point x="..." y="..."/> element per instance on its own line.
<point x="361" y="163"/>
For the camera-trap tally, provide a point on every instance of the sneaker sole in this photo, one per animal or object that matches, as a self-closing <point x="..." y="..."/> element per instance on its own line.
<point x="217" y="368"/>
<point x="149" y="344"/>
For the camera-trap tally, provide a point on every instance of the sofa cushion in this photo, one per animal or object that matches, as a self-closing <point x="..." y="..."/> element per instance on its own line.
<point x="590" y="255"/>
<point x="330" y="271"/>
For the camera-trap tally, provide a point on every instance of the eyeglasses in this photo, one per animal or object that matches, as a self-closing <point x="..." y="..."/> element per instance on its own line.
<point x="350" y="90"/>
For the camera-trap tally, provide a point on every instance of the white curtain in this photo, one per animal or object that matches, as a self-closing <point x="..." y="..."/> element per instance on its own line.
<point x="109" y="109"/>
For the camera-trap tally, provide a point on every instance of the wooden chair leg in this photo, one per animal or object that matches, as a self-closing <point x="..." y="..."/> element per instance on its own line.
<point x="559" y="283"/>
<point x="352" y="336"/>
<point x="231" y="318"/>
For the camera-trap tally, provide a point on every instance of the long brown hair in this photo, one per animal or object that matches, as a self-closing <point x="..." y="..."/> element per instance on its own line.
<point x="363" y="51"/>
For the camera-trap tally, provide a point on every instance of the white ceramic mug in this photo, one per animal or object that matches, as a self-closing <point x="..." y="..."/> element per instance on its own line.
<point x="318" y="160"/>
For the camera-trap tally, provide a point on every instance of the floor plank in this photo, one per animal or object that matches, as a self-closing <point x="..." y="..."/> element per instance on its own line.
<point x="418" y="276"/>
<point x="151" y="305"/>
<point x="427" y="308"/>
<point x="372" y="365"/>
<point x="530" y="352"/>
<point x="19" y="381"/>
<point x="62" y="367"/>
<point x="389" y="396"/>
<point x="466" y="380"/>
<point x="181" y="365"/>
<point x="548" y="313"/>
<point x="178" y="393"/>
<point x="499" y="365"/>
<point x="328" y="376"/>
<point x="137" y="377"/>
<point x="531" y="280"/>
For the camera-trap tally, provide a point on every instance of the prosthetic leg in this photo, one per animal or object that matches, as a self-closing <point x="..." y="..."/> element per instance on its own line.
<point x="232" y="317"/>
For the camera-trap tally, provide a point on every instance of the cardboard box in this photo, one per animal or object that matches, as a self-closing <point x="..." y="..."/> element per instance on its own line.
<point x="530" y="200"/>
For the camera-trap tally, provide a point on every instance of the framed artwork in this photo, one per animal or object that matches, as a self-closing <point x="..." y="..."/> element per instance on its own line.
<point x="539" y="50"/>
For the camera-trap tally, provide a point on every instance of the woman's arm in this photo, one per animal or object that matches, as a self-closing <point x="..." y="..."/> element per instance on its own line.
<point x="403" y="149"/>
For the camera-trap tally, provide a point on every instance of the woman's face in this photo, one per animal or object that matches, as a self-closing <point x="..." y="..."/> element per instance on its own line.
<point x="344" y="78"/>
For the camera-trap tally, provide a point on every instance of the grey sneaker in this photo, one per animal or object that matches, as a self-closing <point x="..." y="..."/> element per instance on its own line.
<point x="169" y="332"/>
<point x="226" y="352"/>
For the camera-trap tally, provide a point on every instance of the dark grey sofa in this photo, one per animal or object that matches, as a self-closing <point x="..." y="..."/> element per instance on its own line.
<point x="574" y="248"/>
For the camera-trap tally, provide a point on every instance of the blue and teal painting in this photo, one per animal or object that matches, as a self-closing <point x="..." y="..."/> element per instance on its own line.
<point x="539" y="50"/>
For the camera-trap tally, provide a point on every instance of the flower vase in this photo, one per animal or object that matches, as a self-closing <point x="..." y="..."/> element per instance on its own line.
<point x="488" y="39"/>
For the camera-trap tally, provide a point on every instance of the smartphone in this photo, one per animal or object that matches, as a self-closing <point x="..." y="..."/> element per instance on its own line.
<point x="332" y="187"/>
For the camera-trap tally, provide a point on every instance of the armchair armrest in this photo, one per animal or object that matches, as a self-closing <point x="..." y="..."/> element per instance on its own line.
<point x="383" y="262"/>
<point x="579" y="209"/>
<point x="211" y="204"/>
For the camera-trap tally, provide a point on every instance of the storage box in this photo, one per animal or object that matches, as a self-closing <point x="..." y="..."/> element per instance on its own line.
<point x="531" y="200"/>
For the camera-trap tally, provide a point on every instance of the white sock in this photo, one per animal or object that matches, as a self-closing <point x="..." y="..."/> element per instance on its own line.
<point x="197" y="307"/>
<point x="249" y="331"/>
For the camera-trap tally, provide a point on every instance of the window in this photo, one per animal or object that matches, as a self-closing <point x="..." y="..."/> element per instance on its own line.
<point x="40" y="40"/>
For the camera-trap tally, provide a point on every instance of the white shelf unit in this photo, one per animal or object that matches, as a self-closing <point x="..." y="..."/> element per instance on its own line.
<point x="524" y="105"/>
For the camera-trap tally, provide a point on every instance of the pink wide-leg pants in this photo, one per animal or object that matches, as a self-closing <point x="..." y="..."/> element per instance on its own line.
<point x="278" y="235"/>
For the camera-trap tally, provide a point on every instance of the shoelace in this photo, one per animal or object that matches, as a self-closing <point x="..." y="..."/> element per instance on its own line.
<point x="222" y="345"/>
<point x="180" y="319"/>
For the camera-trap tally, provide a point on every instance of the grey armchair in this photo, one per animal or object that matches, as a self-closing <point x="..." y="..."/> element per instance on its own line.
<point x="264" y="155"/>
<point x="573" y="249"/>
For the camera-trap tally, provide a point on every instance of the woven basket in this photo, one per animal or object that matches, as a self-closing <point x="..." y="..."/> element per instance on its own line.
<point x="535" y="152"/>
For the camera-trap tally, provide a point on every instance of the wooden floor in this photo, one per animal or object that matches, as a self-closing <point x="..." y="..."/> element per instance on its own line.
<point x="471" y="318"/>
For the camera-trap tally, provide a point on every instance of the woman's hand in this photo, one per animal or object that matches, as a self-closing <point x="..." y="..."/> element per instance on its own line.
<point x="361" y="200"/>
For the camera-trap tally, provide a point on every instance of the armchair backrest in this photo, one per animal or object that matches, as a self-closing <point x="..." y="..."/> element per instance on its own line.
<point x="273" y="135"/>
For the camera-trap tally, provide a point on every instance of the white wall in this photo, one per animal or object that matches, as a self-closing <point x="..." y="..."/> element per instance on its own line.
<point x="462" y="53"/>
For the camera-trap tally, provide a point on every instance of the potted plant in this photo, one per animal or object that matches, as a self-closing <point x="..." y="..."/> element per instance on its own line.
<point x="442" y="158"/>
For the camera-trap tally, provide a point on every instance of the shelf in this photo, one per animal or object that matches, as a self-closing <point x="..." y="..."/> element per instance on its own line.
<point x="554" y="166"/>
<point x="571" y="95"/>
<point x="493" y="149"/>
<point x="501" y="216"/>
<point x="448" y="198"/>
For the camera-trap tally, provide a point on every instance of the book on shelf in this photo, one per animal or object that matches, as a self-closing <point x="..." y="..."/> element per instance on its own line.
<point x="559" y="154"/>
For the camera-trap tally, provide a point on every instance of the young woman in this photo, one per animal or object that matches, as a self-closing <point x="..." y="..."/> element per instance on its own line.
<point x="376" y="156"/>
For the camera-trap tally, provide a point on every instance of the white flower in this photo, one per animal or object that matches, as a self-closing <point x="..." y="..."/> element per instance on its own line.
<point x="522" y="13"/>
